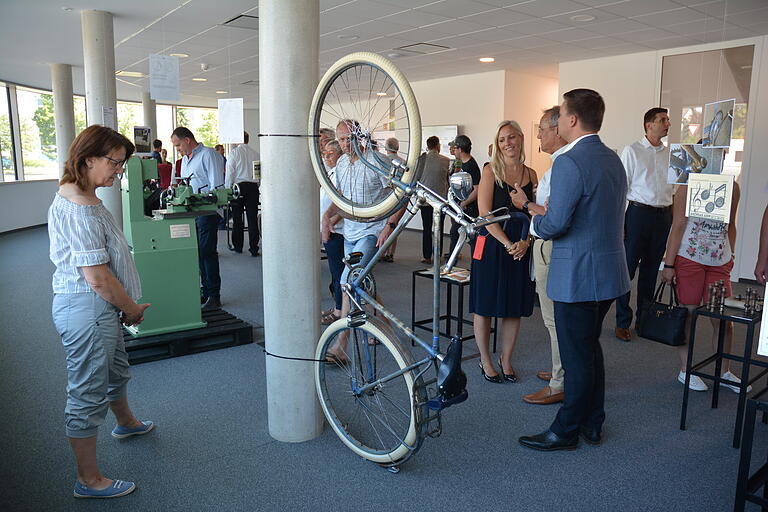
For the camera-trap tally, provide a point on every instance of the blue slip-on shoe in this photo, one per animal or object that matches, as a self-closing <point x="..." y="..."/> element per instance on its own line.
<point x="123" y="432"/>
<point x="117" y="489"/>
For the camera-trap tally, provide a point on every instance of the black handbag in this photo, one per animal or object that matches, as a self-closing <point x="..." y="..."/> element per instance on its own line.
<point x="664" y="323"/>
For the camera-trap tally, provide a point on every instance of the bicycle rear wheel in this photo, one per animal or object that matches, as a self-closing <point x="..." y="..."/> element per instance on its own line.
<point x="383" y="424"/>
<point x="374" y="98"/>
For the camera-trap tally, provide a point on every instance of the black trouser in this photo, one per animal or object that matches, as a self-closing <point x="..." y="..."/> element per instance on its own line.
<point x="426" y="235"/>
<point x="578" y="326"/>
<point x="250" y="200"/>
<point x="645" y="240"/>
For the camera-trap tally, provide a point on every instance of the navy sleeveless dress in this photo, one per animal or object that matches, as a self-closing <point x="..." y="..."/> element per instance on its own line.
<point x="501" y="286"/>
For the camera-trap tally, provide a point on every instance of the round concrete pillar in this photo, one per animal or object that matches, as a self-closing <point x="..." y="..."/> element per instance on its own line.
<point x="150" y="113"/>
<point x="63" y="110"/>
<point x="100" y="94"/>
<point x="288" y="73"/>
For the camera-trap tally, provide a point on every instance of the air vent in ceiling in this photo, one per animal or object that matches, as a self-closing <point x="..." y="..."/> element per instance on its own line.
<point x="243" y="21"/>
<point x="423" y="48"/>
<point x="251" y="82"/>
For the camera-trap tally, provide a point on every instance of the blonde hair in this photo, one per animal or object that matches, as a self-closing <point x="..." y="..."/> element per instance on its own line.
<point x="497" y="159"/>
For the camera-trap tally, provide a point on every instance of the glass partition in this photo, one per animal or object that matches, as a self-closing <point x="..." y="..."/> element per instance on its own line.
<point x="7" y="160"/>
<point x="38" y="134"/>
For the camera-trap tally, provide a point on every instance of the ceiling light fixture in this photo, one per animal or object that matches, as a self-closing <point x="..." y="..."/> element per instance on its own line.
<point x="381" y="94"/>
<point x="347" y="37"/>
<point x="131" y="74"/>
<point x="582" y="18"/>
<point x="180" y="55"/>
<point x="487" y="59"/>
<point x="394" y="55"/>
<point x="66" y="9"/>
<point x="221" y="92"/>
<point x="199" y="79"/>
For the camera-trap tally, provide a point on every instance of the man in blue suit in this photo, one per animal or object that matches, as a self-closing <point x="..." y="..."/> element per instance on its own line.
<point x="588" y="269"/>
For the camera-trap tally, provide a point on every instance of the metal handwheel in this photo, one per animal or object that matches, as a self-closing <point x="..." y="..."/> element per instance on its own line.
<point x="368" y="90"/>
<point x="381" y="421"/>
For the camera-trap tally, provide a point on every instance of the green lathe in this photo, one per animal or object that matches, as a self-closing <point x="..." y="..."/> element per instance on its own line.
<point x="164" y="247"/>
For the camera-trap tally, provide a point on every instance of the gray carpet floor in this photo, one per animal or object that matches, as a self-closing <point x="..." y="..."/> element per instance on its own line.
<point x="212" y="450"/>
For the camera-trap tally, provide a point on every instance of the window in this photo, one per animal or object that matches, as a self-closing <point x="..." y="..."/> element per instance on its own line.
<point x="204" y="123"/>
<point x="128" y="116"/>
<point x="7" y="161"/>
<point x="38" y="134"/>
<point x="80" y="114"/>
<point x="165" y="126"/>
<point x="691" y="80"/>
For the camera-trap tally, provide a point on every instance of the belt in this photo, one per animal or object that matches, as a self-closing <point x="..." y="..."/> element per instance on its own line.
<point x="649" y="207"/>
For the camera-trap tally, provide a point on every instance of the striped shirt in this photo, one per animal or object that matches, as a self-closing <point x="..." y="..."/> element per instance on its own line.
<point x="86" y="236"/>
<point x="357" y="182"/>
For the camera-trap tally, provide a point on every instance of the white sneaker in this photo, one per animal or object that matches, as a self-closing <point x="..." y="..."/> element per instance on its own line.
<point x="696" y="384"/>
<point x="731" y="377"/>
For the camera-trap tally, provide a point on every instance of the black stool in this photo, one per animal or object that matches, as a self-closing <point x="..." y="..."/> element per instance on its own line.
<point x="746" y="485"/>
<point x="732" y="315"/>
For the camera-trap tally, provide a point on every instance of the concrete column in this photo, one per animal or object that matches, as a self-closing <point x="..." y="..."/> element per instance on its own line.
<point x="150" y="113"/>
<point x="288" y="71"/>
<point x="63" y="110"/>
<point x="99" y="58"/>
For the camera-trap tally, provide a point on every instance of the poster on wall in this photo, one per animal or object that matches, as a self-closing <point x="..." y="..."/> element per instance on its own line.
<point x="446" y="133"/>
<point x="142" y="139"/>
<point x="709" y="197"/>
<point x="690" y="159"/>
<point x="718" y="124"/>
<point x="108" y="117"/>
<point x="163" y="77"/>
<point x="231" y="121"/>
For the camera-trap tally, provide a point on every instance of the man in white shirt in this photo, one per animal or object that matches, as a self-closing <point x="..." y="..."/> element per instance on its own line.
<point x="649" y="213"/>
<point x="554" y="145"/>
<point x="240" y="172"/>
<point x="205" y="168"/>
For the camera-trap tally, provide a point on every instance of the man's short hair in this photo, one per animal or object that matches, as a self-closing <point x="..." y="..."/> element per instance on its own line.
<point x="554" y="115"/>
<point x="463" y="143"/>
<point x="157" y="144"/>
<point x="218" y="146"/>
<point x="327" y="132"/>
<point x="333" y="145"/>
<point x="433" y="142"/>
<point x="392" y="144"/>
<point x="588" y="106"/>
<point x="650" y="116"/>
<point x="182" y="132"/>
<point x="246" y="137"/>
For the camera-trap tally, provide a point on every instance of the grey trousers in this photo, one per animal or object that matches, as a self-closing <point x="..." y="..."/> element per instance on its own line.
<point x="97" y="364"/>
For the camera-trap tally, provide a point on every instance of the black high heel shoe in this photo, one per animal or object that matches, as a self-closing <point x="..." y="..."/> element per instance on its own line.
<point x="509" y="377"/>
<point x="496" y="379"/>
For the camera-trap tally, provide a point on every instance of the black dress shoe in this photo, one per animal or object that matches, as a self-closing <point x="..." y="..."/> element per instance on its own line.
<point x="509" y="377"/>
<point x="548" y="441"/>
<point x="211" y="304"/>
<point x="590" y="435"/>
<point x="496" y="379"/>
<point x="235" y="249"/>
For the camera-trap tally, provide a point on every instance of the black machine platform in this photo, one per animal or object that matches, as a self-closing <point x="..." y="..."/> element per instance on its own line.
<point x="223" y="330"/>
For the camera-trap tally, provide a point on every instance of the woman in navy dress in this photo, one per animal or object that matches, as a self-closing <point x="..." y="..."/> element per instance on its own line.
<point x="501" y="285"/>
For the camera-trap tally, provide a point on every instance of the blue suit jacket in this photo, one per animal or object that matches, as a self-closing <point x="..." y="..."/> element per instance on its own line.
<point x="585" y="220"/>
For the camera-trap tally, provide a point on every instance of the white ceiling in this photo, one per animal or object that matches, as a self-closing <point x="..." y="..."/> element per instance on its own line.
<point x="525" y="35"/>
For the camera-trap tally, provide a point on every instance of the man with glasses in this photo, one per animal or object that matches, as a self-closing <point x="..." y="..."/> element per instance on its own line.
<point x="205" y="168"/>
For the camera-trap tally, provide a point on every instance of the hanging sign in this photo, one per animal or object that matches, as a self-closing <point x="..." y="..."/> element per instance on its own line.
<point x="163" y="77"/>
<point x="231" y="121"/>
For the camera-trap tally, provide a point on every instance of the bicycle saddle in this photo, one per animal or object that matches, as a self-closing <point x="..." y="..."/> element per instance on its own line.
<point x="451" y="379"/>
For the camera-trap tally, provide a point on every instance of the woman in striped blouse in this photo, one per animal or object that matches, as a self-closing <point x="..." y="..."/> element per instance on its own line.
<point x="95" y="287"/>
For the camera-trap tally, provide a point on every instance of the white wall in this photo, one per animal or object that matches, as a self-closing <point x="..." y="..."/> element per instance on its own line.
<point x="631" y="84"/>
<point x="25" y="203"/>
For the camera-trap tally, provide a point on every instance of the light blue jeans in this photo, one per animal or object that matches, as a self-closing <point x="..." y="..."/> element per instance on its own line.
<point x="97" y="364"/>
<point x="366" y="245"/>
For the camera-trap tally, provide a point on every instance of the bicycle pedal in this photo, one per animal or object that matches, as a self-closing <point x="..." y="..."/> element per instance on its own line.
<point x="353" y="258"/>
<point x="356" y="318"/>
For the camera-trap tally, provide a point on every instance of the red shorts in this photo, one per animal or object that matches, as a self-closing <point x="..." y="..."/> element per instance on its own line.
<point x="693" y="280"/>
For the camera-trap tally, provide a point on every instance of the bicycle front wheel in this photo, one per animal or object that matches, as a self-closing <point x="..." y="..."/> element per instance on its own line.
<point x="369" y="94"/>
<point x="382" y="424"/>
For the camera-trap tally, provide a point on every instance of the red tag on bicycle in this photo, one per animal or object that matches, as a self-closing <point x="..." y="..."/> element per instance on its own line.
<point x="479" y="247"/>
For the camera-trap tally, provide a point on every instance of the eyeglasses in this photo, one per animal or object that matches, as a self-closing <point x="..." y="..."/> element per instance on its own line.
<point x="117" y="164"/>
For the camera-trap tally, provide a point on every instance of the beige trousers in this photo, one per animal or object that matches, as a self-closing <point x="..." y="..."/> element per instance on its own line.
<point x="542" y="252"/>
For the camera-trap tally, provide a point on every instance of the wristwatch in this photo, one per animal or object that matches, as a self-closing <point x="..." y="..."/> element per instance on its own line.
<point x="525" y="206"/>
<point x="392" y="225"/>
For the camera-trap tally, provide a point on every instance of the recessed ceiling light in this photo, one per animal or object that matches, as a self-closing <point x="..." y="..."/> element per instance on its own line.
<point x="487" y="59"/>
<point x="347" y="37"/>
<point x="132" y="74"/>
<point x="181" y="55"/>
<point x="199" y="79"/>
<point x="394" y="55"/>
<point x="748" y="66"/>
<point x="582" y="18"/>
<point x="221" y="92"/>
<point x="381" y="94"/>
<point x="66" y="9"/>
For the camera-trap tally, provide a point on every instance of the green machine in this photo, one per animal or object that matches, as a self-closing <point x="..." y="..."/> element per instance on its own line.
<point x="164" y="247"/>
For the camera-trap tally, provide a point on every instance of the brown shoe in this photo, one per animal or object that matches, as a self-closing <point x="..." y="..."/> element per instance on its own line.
<point x="544" y="375"/>
<point x="623" y="334"/>
<point x="544" y="397"/>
